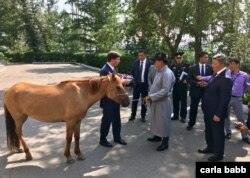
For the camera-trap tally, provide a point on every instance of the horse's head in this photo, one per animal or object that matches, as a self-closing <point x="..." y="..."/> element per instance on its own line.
<point x="115" y="90"/>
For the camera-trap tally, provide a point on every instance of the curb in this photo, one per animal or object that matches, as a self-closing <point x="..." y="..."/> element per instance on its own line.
<point x="89" y="67"/>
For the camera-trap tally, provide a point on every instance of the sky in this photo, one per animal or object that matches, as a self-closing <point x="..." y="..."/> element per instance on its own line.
<point x="63" y="6"/>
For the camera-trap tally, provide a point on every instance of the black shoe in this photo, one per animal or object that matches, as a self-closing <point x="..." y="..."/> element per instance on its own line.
<point x="183" y="120"/>
<point x="154" y="139"/>
<point x="132" y="118"/>
<point x="245" y="139"/>
<point x="105" y="143"/>
<point x="189" y="127"/>
<point x="120" y="141"/>
<point x="215" y="158"/>
<point x="143" y="119"/>
<point x="174" y="118"/>
<point x="228" y="136"/>
<point x="205" y="150"/>
<point x="164" y="145"/>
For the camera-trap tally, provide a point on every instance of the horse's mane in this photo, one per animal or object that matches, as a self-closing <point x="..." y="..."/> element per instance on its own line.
<point x="94" y="83"/>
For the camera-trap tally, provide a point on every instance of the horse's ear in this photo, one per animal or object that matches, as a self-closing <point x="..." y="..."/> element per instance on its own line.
<point x="109" y="76"/>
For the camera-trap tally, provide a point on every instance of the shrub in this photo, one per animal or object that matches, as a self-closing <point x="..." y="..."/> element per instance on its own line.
<point x="1" y="56"/>
<point x="246" y="97"/>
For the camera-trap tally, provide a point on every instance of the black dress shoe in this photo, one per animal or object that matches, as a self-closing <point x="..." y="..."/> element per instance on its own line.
<point x="228" y="136"/>
<point x="162" y="147"/>
<point x="174" y="118"/>
<point x="120" y="141"/>
<point x="189" y="127"/>
<point x="164" y="144"/>
<point x="143" y="119"/>
<point x="215" y="158"/>
<point x="105" y="143"/>
<point x="245" y="139"/>
<point x="183" y="120"/>
<point x="205" y="150"/>
<point x="132" y="118"/>
<point x="154" y="139"/>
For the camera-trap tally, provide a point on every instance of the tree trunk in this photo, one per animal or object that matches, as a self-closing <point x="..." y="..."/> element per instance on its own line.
<point x="198" y="29"/>
<point x="31" y="35"/>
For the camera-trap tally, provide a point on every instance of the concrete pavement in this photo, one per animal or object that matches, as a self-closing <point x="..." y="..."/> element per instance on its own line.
<point x="138" y="159"/>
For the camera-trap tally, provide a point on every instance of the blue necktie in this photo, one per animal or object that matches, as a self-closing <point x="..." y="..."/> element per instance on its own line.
<point x="202" y="70"/>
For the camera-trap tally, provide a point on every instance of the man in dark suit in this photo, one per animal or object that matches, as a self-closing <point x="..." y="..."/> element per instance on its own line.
<point x="197" y="86"/>
<point x="180" y="70"/>
<point x="139" y="71"/>
<point x="111" y="109"/>
<point x="215" y="104"/>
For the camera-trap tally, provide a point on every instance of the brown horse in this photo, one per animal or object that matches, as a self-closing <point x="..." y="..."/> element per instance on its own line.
<point x="67" y="102"/>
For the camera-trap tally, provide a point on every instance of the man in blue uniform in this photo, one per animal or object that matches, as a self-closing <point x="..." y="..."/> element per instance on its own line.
<point x="180" y="70"/>
<point x="215" y="104"/>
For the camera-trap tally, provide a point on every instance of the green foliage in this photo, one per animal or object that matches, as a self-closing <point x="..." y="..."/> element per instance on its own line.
<point x="101" y="25"/>
<point x="29" y="57"/>
<point x="92" y="59"/>
<point x="246" y="98"/>
<point x="1" y="56"/>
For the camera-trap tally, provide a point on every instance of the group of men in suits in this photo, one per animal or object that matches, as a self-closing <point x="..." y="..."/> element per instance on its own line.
<point x="212" y="85"/>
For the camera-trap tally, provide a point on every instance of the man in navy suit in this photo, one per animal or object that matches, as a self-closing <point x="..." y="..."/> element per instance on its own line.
<point x="111" y="109"/>
<point x="196" y="86"/>
<point x="215" y="103"/>
<point x="139" y="71"/>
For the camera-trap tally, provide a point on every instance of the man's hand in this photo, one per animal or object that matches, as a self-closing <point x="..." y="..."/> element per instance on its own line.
<point x="125" y="81"/>
<point x="198" y="77"/>
<point x="240" y="126"/>
<point x="148" y="99"/>
<point x="216" y="118"/>
<point x="203" y="84"/>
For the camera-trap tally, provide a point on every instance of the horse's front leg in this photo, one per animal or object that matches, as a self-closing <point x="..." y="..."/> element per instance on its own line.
<point x="78" y="152"/>
<point x="69" y="133"/>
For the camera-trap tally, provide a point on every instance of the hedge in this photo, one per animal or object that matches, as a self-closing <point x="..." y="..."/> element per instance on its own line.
<point x="92" y="59"/>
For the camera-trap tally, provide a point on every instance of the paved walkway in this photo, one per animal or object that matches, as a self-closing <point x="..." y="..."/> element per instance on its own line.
<point x="138" y="159"/>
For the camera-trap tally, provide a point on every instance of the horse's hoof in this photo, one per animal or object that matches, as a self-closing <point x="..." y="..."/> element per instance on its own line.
<point x="81" y="157"/>
<point x="28" y="157"/>
<point x="70" y="161"/>
<point x="20" y="150"/>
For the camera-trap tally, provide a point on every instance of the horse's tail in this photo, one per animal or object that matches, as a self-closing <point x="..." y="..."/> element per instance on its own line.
<point x="12" y="138"/>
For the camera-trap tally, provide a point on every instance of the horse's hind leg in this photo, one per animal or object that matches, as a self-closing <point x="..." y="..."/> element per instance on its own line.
<point x="19" y="124"/>
<point x="69" y="133"/>
<point x="78" y="152"/>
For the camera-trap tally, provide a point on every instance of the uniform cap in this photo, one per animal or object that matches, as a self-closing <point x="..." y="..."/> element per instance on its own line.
<point x="178" y="54"/>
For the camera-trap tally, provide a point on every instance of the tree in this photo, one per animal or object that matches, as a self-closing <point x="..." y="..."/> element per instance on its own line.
<point x="95" y="23"/>
<point x="164" y="20"/>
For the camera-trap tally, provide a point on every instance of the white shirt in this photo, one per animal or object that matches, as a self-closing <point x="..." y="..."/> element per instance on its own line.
<point x="220" y="71"/>
<point x="112" y="67"/>
<point x="143" y="69"/>
<point x="204" y="67"/>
